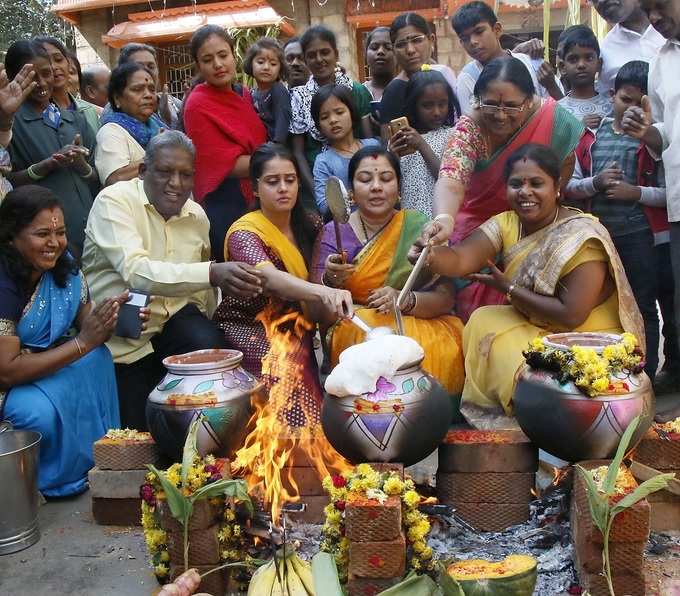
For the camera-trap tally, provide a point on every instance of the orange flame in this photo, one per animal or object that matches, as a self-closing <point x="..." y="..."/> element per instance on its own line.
<point x="273" y="447"/>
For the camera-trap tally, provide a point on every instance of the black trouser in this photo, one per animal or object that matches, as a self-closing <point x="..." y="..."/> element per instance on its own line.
<point x="187" y="330"/>
<point x="671" y="351"/>
<point x="638" y="256"/>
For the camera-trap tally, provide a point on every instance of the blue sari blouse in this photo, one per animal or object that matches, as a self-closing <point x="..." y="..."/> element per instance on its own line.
<point x="72" y="407"/>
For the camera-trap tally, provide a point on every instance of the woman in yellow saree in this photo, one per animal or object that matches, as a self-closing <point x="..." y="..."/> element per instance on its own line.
<point x="376" y="241"/>
<point x="277" y="240"/>
<point x="560" y="272"/>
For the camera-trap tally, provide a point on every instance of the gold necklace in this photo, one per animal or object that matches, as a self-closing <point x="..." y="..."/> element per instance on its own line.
<point x="557" y="213"/>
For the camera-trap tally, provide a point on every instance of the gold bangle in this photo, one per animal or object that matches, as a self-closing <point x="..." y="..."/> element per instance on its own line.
<point x="508" y="294"/>
<point x="81" y="351"/>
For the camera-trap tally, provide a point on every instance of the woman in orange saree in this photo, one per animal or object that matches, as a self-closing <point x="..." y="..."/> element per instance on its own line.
<point x="376" y="241"/>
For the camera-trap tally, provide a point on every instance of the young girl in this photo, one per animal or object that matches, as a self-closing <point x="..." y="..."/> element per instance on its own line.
<point x="413" y="43"/>
<point x="264" y="62"/>
<point x="431" y="109"/>
<point x="335" y="116"/>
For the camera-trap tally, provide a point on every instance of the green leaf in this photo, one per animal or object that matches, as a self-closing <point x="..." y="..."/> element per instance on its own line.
<point x="204" y="386"/>
<point x="408" y="385"/>
<point x="325" y="575"/>
<point x="178" y="503"/>
<point x="646" y="488"/>
<point x="190" y="451"/>
<point x="448" y="585"/>
<point x="610" y="481"/>
<point x="599" y="506"/>
<point x="229" y="488"/>
<point x="170" y="385"/>
<point x="413" y="585"/>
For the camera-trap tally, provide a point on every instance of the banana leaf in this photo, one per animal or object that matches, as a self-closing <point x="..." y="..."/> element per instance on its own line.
<point x="230" y="488"/>
<point x="180" y="507"/>
<point x="423" y="585"/>
<point x="325" y="575"/>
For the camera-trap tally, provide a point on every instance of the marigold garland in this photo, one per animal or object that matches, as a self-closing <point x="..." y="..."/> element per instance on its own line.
<point x="592" y="373"/>
<point x="230" y="535"/>
<point x="367" y="482"/>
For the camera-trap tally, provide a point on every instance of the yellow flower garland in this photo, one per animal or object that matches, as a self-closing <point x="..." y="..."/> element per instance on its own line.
<point x="366" y="482"/>
<point x="231" y="538"/>
<point x="590" y="371"/>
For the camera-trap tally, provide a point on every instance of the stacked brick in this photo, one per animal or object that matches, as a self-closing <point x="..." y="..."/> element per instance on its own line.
<point x="627" y="541"/>
<point x="487" y="476"/>
<point x="300" y="477"/>
<point x="377" y="548"/>
<point x="120" y="468"/>
<point x="204" y="547"/>
<point x="663" y="456"/>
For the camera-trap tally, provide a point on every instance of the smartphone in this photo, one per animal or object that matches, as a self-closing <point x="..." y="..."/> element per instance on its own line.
<point x="129" y="324"/>
<point x="375" y="110"/>
<point x="397" y="124"/>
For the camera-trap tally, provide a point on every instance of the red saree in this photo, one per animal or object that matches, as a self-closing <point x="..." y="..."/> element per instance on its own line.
<point x="485" y="195"/>
<point x="223" y="125"/>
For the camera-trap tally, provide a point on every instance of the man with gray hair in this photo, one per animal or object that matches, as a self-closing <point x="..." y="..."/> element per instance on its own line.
<point x="148" y="235"/>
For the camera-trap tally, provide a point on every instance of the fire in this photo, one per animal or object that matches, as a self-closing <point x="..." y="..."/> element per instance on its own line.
<point x="278" y="442"/>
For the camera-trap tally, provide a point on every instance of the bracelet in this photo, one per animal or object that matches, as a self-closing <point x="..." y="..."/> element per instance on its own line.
<point x="89" y="172"/>
<point x="411" y="301"/>
<point x="81" y="351"/>
<point x="508" y="294"/>
<point x="32" y="174"/>
<point x="444" y="216"/>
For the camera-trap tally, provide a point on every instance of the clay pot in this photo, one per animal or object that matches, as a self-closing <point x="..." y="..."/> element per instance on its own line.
<point x="403" y="420"/>
<point x="208" y="382"/>
<point x="563" y="421"/>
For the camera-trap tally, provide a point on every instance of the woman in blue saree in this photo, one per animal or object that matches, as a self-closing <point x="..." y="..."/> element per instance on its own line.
<point x="59" y="384"/>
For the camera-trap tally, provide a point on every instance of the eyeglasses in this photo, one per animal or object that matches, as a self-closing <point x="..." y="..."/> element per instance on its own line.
<point x="493" y="109"/>
<point x="416" y="40"/>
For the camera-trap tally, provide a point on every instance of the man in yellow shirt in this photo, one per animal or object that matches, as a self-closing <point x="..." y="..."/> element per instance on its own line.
<point x="146" y="234"/>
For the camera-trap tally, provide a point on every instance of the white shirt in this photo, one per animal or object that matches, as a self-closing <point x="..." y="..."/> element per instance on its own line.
<point x="664" y="94"/>
<point x="468" y="77"/>
<point x="622" y="45"/>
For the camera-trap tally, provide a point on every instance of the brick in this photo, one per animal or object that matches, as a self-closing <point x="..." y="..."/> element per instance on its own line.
<point x="117" y="512"/>
<point x="657" y="453"/>
<point x="626" y="585"/>
<point x="115" y="484"/>
<point x="492" y="517"/>
<point x="388" y="467"/>
<point x="385" y="559"/>
<point x="358" y="586"/>
<point x="204" y="516"/>
<point x="665" y="516"/>
<point x="631" y="525"/>
<point x="114" y="454"/>
<point x="306" y="479"/>
<point x="487" y="451"/>
<point x="204" y="548"/>
<point x="367" y="520"/>
<point x="214" y="584"/>
<point x="625" y="557"/>
<point x="486" y="487"/>
<point x="314" y="513"/>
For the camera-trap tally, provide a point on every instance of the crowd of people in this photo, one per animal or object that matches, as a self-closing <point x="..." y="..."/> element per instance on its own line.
<point x="550" y="198"/>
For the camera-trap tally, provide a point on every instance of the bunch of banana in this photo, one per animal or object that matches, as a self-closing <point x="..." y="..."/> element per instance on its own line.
<point x="284" y="575"/>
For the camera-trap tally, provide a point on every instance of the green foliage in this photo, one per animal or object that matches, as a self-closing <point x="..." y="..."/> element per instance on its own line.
<point x="31" y="18"/>
<point x="602" y="511"/>
<point x="325" y="575"/>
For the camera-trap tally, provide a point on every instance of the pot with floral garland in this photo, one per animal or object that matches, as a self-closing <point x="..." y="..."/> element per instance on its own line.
<point x="579" y="391"/>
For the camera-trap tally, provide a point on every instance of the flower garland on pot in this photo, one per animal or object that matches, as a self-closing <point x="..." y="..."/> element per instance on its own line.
<point x="203" y="471"/>
<point x="366" y="482"/>
<point x="594" y="374"/>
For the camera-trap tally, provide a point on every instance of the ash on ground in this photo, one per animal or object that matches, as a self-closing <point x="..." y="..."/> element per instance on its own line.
<point x="545" y="537"/>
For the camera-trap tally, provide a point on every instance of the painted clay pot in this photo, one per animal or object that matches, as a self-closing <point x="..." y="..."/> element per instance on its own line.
<point x="403" y="420"/>
<point x="208" y="382"/>
<point x="563" y="421"/>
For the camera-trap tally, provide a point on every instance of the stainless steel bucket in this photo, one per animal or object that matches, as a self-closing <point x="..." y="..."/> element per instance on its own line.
<point x="19" y="498"/>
